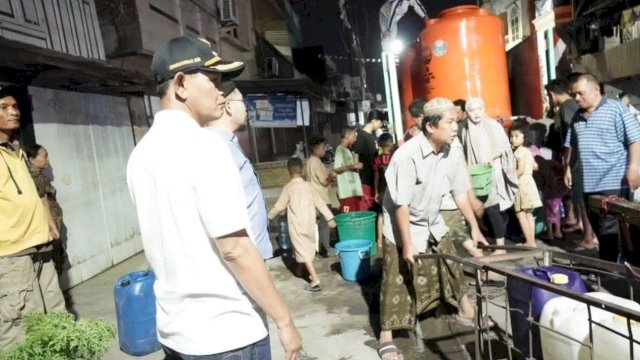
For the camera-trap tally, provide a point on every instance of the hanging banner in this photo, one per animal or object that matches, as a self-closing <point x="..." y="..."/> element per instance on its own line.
<point x="278" y="112"/>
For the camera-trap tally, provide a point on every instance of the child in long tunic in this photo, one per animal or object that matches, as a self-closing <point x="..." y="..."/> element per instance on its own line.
<point x="300" y="201"/>
<point x="528" y="198"/>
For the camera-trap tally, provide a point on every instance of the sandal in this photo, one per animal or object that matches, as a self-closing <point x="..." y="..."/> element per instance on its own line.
<point x="314" y="288"/>
<point x="386" y="350"/>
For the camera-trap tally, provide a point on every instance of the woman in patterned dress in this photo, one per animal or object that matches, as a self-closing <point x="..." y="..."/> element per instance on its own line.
<point x="527" y="198"/>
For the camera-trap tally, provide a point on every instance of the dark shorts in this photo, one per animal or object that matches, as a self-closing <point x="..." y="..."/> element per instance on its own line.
<point x="496" y="221"/>
<point x="605" y="226"/>
<point x="577" y="186"/>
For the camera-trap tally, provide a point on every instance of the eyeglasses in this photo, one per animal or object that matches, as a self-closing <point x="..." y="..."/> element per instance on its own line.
<point x="244" y="101"/>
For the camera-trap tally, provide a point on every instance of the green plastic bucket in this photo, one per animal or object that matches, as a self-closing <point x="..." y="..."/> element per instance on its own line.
<point x="358" y="225"/>
<point x="481" y="179"/>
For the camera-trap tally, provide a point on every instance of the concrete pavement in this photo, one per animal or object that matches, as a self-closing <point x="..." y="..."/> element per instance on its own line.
<point x="340" y="322"/>
<point x="334" y="323"/>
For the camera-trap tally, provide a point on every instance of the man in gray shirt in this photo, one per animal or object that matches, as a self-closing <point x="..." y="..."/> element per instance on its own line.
<point x="234" y="118"/>
<point x="421" y="172"/>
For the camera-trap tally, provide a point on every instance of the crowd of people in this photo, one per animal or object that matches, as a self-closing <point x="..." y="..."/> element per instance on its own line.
<point x="423" y="188"/>
<point x="203" y="216"/>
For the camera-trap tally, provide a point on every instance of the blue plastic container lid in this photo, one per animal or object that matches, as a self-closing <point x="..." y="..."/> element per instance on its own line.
<point x="353" y="245"/>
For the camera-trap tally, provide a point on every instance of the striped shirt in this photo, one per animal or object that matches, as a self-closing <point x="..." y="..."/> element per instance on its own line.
<point x="602" y="141"/>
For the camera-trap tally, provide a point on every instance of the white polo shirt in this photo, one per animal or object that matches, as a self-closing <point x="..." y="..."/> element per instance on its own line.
<point x="187" y="192"/>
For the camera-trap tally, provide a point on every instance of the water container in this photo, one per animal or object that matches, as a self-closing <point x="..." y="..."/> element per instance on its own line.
<point x="284" y="241"/>
<point x="570" y="318"/>
<point x="355" y="259"/>
<point x="358" y="225"/>
<point x="521" y="292"/>
<point x="463" y="56"/>
<point x="606" y="343"/>
<point x="136" y="313"/>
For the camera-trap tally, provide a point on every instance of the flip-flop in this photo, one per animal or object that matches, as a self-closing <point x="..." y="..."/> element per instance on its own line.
<point x="388" y="348"/>
<point x="314" y="288"/>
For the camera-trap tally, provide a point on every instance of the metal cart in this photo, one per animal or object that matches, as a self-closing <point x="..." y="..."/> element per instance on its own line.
<point x="497" y="342"/>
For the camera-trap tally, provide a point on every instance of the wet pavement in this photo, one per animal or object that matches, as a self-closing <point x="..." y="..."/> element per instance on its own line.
<point x="340" y="322"/>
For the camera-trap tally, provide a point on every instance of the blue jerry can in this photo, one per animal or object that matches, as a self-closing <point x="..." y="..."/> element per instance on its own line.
<point x="136" y="313"/>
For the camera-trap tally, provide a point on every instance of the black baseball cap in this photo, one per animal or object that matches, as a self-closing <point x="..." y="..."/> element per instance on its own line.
<point x="186" y="53"/>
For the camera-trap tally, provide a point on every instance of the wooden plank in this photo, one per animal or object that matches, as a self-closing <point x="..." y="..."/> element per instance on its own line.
<point x="629" y="211"/>
<point x="19" y="58"/>
<point x="512" y="256"/>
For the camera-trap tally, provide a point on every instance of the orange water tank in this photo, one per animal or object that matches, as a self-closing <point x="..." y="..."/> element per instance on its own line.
<point x="464" y="55"/>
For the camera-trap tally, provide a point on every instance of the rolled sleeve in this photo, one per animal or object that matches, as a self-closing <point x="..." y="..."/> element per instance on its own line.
<point x="220" y="197"/>
<point x="401" y="180"/>
<point x="459" y="178"/>
<point x="570" y="140"/>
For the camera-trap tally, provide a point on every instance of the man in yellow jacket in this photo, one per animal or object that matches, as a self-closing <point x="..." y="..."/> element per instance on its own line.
<point x="28" y="279"/>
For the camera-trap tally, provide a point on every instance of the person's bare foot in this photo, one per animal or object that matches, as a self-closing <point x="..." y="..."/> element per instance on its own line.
<point x="471" y="249"/>
<point x="475" y="252"/>
<point x="585" y="245"/>
<point x="499" y="252"/>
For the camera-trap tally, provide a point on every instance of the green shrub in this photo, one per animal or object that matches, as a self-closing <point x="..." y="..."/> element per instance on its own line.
<point x="57" y="336"/>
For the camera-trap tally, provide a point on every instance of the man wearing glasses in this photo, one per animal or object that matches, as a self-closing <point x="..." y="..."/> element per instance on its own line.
<point x="194" y="223"/>
<point x="234" y="118"/>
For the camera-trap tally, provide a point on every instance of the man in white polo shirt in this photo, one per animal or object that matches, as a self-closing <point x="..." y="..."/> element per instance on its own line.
<point x="194" y="222"/>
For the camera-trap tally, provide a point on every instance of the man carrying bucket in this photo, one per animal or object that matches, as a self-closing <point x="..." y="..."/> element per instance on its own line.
<point x="421" y="172"/>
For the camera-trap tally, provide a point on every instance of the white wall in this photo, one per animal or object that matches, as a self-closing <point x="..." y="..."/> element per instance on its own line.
<point x="89" y="138"/>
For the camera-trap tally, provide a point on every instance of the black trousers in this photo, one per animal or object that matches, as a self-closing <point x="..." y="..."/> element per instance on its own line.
<point x="605" y="226"/>
<point x="496" y="220"/>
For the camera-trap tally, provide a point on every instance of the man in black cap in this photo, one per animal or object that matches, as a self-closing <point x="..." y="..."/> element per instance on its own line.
<point x="194" y="222"/>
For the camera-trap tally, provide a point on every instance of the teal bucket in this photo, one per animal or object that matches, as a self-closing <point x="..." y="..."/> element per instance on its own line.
<point x="358" y="225"/>
<point x="354" y="259"/>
